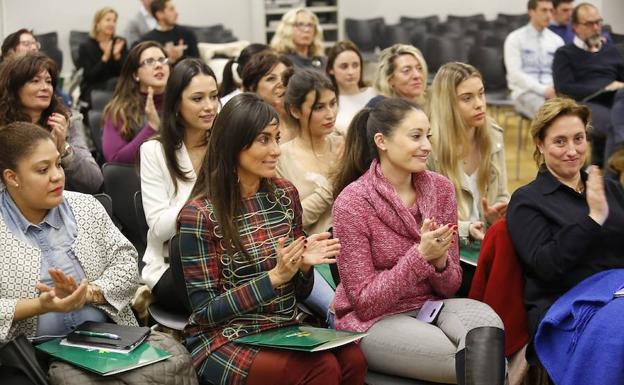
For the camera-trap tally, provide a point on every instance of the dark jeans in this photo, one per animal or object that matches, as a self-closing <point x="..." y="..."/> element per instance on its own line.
<point x="608" y="120"/>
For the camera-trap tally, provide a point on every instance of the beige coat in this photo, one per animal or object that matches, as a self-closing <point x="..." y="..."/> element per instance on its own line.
<point x="496" y="189"/>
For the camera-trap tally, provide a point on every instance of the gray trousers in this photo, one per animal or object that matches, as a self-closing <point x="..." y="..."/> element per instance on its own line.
<point x="403" y="346"/>
<point x="528" y="103"/>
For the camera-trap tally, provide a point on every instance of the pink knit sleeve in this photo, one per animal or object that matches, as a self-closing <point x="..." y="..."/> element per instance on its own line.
<point x="371" y="293"/>
<point x="447" y="282"/>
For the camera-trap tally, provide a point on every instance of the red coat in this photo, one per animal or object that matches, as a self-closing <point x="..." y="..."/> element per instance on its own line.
<point x="499" y="282"/>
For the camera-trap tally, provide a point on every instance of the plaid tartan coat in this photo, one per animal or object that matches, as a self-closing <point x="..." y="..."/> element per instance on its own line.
<point x="231" y="295"/>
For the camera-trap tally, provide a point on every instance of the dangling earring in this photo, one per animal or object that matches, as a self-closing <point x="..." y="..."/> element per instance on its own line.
<point x="17" y="185"/>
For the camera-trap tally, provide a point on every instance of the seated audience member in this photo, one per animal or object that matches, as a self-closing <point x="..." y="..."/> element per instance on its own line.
<point x="142" y="22"/>
<point x="311" y="158"/>
<point x="468" y="149"/>
<point x="19" y="42"/>
<point x="101" y="55"/>
<point x="396" y="224"/>
<point x="299" y="36"/>
<point x="65" y="262"/>
<point x="246" y="259"/>
<point x="132" y="115"/>
<point x="589" y="66"/>
<point x="561" y="22"/>
<point x="529" y="52"/>
<point x="179" y="42"/>
<point x="345" y="69"/>
<point x="263" y="76"/>
<point x="401" y="73"/>
<point x="567" y="225"/>
<point x="170" y="163"/>
<point x="27" y="85"/>
<point x="232" y="82"/>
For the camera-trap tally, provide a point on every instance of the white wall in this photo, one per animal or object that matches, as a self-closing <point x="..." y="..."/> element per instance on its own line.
<point x="245" y="17"/>
<point x="65" y="15"/>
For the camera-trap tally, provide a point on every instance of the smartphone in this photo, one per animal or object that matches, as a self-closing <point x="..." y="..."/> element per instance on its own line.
<point x="429" y="311"/>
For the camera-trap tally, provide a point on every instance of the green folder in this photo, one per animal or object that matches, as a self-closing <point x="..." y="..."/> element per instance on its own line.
<point x="102" y="362"/>
<point x="303" y="338"/>
<point x="325" y="272"/>
<point x="470" y="254"/>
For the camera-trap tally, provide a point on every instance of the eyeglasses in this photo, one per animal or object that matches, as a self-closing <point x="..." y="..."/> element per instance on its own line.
<point x="590" y="23"/>
<point x="30" y="43"/>
<point x="151" y="62"/>
<point x="304" y="26"/>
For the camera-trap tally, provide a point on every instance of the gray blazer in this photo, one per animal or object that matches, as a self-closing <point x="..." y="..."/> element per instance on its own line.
<point x="137" y="27"/>
<point x="109" y="261"/>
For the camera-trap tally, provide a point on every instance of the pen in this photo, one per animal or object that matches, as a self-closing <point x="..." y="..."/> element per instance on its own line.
<point x="110" y="336"/>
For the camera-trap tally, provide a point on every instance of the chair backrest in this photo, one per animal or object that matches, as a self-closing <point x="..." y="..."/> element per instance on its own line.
<point x="140" y="216"/>
<point x="75" y="39"/>
<point x="106" y="201"/>
<point x="442" y="49"/>
<point x="47" y="40"/>
<point x="489" y="61"/>
<point x="95" y="127"/>
<point x="121" y="182"/>
<point x="365" y="33"/>
<point x="99" y="99"/>
<point x="175" y="264"/>
<point x="393" y="34"/>
<point x="430" y="22"/>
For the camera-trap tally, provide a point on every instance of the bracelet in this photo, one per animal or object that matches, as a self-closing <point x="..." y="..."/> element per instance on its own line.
<point x="95" y="295"/>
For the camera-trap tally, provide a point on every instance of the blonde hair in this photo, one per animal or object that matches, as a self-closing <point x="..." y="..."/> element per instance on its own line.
<point x="386" y="68"/>
<point x="550" y="111"/>
<point x="283" y="42"/>
<point x="448" y="130"/>
<point x="99" y="15"/>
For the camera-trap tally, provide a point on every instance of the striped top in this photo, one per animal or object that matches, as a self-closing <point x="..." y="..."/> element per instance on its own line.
<point x="231" y="295"/>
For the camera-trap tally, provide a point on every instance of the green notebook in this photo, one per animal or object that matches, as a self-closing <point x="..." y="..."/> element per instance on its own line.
<point x="325" y="271"/>
<point x="304" y="338"/>
<point x="102" y="362"/>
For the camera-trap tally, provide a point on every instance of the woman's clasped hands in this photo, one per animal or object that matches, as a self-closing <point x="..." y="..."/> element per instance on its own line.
<point x="435" y="240"/>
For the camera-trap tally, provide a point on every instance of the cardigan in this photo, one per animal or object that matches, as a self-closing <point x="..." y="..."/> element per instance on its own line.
<point x="108" y="259"/>
<point x="82" y="173"/>
<point x="381" y="270"/>
<point x="120" y="149"/>
<point x="232" y="295"/>
<point x="161" y="204"/>
<point x="496" y="188"/>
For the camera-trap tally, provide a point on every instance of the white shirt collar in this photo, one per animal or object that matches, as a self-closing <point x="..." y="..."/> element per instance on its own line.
<point x="580" y="43"/>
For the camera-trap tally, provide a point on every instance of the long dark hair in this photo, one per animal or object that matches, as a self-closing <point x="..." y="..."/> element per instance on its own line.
<point x="14" y="73"/>
<point x="298" y="83"/>
<point x="360" y="148"/>
<point x="337" y="49"/>
<point x="234" y="130"/>
<point x="229" y="83"/>
<point x="126" y="107"/>
<point x="172" y="124"/>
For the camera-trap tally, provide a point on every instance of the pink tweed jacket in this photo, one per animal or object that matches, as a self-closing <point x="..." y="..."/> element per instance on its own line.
<point x="381" y="270"/>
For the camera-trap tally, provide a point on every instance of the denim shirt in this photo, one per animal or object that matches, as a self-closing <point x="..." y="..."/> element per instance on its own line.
<point x="54" y="236"/>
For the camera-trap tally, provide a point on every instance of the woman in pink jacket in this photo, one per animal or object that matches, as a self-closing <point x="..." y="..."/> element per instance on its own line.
<point x="397" y="223"/>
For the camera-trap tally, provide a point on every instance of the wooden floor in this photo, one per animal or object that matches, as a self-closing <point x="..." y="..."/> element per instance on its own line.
<point x="526" y="168"/>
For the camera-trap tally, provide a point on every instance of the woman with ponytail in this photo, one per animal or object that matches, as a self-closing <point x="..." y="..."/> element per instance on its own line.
<point x="396" y="222"/>
<point x="231" y="81"/>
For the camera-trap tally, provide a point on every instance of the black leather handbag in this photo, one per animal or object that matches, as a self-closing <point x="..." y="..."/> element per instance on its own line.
<point x="19" y="353"/>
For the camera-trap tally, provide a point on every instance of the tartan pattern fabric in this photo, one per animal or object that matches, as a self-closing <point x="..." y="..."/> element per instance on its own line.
<point x="231" y="295"/>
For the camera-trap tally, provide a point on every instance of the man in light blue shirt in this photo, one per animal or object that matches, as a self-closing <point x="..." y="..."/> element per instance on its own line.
<point x="529" y="53"/>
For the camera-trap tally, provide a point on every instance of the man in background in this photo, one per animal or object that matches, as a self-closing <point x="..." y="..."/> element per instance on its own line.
<point x="179" y="42"/>
<point x="562" y="20"/>
<point x="141" y="23"/>
<point x="529" y="52"/>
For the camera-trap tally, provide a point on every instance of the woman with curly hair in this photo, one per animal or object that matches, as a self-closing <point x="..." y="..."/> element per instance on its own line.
<point x="27" y="85"/>
<point x="299" y="36"/>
